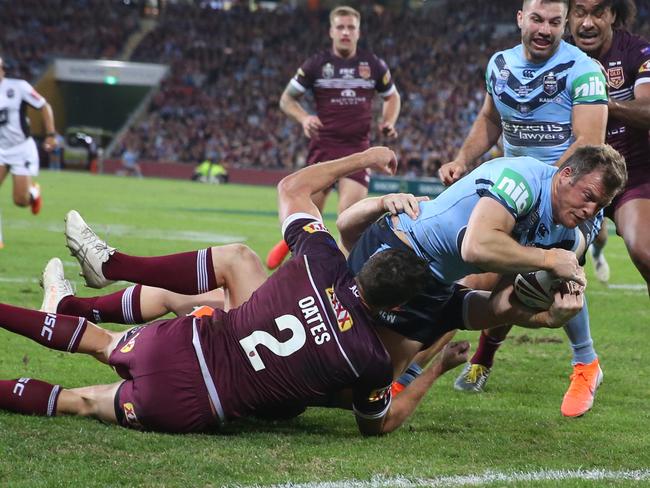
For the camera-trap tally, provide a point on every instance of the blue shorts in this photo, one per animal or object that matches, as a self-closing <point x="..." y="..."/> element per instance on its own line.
<point x="425" y="318"/>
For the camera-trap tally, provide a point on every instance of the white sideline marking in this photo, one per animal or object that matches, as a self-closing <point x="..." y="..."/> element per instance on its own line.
<point x="106" y="231"/>
<point x="489" y="477"/>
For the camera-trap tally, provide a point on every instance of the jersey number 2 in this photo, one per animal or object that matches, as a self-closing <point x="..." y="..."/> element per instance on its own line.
<point x="261" y="338"/>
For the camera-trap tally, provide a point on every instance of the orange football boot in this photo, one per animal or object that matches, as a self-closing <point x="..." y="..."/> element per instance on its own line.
<point x="585" y="380"/>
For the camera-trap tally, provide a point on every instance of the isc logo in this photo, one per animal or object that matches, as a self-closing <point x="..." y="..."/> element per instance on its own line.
<point x="20" y="386"/>
<point x="48" y="326"/>
<point x="593" y="87"/>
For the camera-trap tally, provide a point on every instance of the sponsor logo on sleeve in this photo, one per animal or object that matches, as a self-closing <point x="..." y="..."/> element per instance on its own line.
<point x="514" y="189"/>
<point x="35" y="95"/>
<point x="590" y="87"/>
<point x="315" y="227"/>
<point x="615" y="77"/>
<point x="379" y="394"/>
<point x="645" y="67"/>
<point x="299" y="73"/>
<point x="386" y="79"/>
<point x="343" y="317"/>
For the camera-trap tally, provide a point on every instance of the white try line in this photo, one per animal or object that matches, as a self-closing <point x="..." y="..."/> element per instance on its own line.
<point x="487" y="478"/>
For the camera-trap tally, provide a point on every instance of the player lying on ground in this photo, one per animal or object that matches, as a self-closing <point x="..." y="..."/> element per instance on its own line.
<point x="270" y="352"/>
<point x="284" y="344"/>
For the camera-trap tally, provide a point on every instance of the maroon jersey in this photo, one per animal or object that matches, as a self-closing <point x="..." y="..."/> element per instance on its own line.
<point x="628" y="64"/>
<point x="302" y="334"/>
<point x="343" y="89"/>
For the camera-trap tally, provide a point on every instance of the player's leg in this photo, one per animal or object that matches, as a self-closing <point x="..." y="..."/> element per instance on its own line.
<point x="133" y="305"/>
<point x="4" y="170"/>
<point x="601" y="266"/>
<point x="59" y="332"/>
<point x="280" y="251"/>
<point x="632" y="224"/>
<point x="29" y="396"/>
<point x="587" y="375"/>
<point x="350" y="192"/>
<point x="475" y="374"/>
<point x="21" y="186"/>
<point x="24" y="167"/>
<point x="189" y="273"/>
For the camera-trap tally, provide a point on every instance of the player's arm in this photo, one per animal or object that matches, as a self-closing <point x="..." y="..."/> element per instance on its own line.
<point x="489" y="245"/>
<point x="389" y="113"/>
<point x="295" y="190"/>
<point x="354" y="220"/>
<point x="635" y="113"/>
<point x="50" y="131"/>
<point x="501" y="307"/>
<point x="290" y="105"/>
<point x="484" y="134"/>
<point x="403" y="406"/>
<point x="589" y="124"/>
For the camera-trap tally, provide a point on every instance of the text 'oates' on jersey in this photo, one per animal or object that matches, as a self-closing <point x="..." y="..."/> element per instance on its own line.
<point x="302" y="334"/>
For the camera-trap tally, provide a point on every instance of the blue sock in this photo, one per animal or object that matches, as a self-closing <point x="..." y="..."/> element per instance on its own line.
<point x="577" y="329"/>
<point x="412" y="372"/>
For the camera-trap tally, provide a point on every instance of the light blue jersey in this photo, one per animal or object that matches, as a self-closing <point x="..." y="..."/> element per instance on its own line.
<point x="522" y="185"/>
<point x="535" y="101"/>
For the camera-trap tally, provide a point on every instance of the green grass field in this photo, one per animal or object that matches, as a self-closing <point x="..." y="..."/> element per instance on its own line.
<point x="515" y="427"/>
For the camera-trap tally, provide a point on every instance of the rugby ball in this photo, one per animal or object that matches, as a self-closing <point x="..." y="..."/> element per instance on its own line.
<point x="536" y="289"/>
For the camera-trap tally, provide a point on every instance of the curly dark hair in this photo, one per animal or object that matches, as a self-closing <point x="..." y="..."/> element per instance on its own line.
<point x="625" y="11"/>
<point x="392" y="277"/>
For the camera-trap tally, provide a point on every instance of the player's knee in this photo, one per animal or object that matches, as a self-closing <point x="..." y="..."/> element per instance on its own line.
<point x="238" y="255"/>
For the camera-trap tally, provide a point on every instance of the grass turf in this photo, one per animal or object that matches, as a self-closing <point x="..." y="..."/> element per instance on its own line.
<point x="515" y="426"/>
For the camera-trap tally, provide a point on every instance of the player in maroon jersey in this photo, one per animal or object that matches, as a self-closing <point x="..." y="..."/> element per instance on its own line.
<point x="304" y="332"/>
<point x="598" y="27"/>
<point x="343" y="80"/>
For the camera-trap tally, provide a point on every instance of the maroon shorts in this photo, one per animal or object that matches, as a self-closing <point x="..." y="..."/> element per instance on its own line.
<point x="318" y="155"/>
<point x="638" y="186"/>
<point x="164" y="389"/>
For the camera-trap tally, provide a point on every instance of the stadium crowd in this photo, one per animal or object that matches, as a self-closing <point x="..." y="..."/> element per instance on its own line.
<point x="220" y="100"/>
<point x="32" y="32"/>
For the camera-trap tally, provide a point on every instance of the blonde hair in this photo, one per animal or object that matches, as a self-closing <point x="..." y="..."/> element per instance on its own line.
<point x="344" y="11"/>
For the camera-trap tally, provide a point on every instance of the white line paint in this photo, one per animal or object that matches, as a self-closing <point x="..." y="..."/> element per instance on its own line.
<point x="106" y="231"/>
<point x="487" y="478"/>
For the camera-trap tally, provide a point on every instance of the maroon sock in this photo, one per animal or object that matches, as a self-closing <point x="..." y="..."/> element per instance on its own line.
<point x="487" y="348"/>
<point x="29" y="396"/>
<point x="121" y="307"/>
<point x="189" y="273"/>
<point x="60" y="332"/>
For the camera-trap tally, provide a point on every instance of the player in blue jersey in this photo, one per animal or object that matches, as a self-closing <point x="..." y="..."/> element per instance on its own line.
<point x="598" y="27"/>
<point x="546" y="98"/>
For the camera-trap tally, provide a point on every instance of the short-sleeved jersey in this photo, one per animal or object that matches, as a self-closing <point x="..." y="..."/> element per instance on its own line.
<point x="628" y="65"/>
<point x="343" y="89"/>
<point x="535" y="100"/>
<point x="15" y="95"/>
<point x="303" y="334"/>
<point x="522" y="185"/>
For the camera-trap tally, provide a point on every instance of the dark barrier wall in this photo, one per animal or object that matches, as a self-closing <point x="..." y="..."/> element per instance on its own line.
<point x="100" y="105"/>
